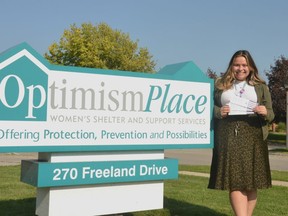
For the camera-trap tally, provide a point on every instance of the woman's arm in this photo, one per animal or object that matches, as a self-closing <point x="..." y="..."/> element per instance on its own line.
<point x="265" y="104"/>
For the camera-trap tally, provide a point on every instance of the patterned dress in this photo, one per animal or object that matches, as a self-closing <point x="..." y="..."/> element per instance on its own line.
<point x="240" y="155"/>
<point x="240" y="162"/>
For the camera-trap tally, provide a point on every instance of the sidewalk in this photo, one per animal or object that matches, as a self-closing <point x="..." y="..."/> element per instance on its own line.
<point x="11" y="159"/>
<point x="275" y="183"/>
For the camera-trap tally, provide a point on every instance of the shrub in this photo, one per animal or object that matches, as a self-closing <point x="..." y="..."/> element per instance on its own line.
<point x="281" y="127"/>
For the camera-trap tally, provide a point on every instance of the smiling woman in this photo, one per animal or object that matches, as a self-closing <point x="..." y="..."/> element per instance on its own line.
<point x="240" y="162"/>
<point x="241" y="69"/>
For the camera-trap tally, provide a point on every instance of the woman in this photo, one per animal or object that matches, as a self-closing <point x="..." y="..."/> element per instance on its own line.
<point x="242" y="111"/>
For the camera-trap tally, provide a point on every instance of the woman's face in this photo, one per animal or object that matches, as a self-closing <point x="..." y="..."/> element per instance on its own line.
<point x="240" y="68"/>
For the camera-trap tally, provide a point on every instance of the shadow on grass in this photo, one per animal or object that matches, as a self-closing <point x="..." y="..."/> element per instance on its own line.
<point x="181" y="208"/>
<point x="21" y="207"/>
<point x="172" y="207"/>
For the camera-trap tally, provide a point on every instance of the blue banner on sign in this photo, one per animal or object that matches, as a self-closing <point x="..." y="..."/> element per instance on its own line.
<point x="84" y="173"/>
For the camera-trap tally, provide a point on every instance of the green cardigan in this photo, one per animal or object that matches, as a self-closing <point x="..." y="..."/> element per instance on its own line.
<point x="263" y="98"/>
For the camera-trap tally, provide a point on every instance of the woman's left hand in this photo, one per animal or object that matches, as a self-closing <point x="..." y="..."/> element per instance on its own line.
<point x="261" y="110"/>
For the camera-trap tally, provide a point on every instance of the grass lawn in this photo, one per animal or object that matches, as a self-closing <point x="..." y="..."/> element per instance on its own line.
<point x="186" y="196"/>
<point x="279" y="138"/>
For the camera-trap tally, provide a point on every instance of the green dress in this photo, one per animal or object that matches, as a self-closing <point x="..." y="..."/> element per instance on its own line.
<point x="240" y="157"/>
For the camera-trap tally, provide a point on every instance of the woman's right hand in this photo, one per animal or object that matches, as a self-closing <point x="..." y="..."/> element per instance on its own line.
<point x="224" y="110"/>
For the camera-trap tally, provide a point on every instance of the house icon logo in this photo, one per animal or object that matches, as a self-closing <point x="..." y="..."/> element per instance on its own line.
<point x="23" y="85"/>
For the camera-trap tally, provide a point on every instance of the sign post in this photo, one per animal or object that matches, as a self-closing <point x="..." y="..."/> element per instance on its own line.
<point x="100" y="134"/>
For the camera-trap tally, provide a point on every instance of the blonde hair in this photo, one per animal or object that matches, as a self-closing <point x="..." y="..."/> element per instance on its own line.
<point x="226" y="80"/>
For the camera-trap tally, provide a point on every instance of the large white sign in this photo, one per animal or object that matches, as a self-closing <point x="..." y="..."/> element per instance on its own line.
<point x="45" y="106"/>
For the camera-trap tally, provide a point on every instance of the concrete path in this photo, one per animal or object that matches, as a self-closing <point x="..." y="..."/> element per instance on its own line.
<point x="9" y="159"/>
<point x="278" y="161"/>
<point x="275" y="183"/>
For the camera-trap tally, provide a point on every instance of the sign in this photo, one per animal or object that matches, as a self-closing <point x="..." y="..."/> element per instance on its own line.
<point x="50" y="108"/>
<point x="43" y="174"/>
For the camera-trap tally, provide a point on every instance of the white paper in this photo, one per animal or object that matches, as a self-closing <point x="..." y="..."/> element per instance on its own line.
<point x="241" y="106"/>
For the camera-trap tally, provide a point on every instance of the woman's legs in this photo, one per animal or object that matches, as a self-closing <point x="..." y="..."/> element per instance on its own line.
<point x="252" y="200"/>
<point x="238" y="200"/>
<point x="243" y="202"/>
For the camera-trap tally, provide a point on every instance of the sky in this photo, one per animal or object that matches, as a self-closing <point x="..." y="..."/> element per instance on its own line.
<point x="207" y="32"/>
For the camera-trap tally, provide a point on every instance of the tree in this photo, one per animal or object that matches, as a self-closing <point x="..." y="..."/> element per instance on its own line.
<point x="278" y="76"/>
<point x="100" y="47"/>
<point x="211" y="74"/>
